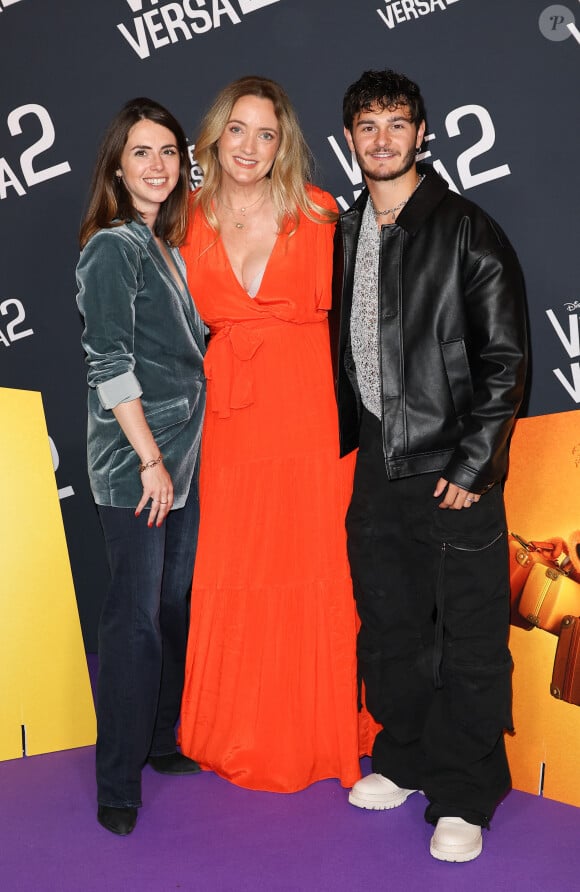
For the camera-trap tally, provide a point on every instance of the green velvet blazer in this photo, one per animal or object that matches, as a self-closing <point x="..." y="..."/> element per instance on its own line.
<point x="143" y="337"/>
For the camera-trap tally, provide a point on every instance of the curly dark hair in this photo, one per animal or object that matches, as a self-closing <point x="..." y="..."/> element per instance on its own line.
<point x="382" y="89"/>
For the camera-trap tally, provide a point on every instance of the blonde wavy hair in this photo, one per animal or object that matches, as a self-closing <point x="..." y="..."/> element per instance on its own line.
<point x="290" y="172"/>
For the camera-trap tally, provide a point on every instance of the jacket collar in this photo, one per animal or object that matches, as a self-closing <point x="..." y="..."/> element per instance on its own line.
<point x="140" y="230"/>
<point x="143" y="234"/>
<point x="420" y="206"/>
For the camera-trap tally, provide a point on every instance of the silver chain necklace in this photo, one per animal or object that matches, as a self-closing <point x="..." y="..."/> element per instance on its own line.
<point x="398" y="206"/>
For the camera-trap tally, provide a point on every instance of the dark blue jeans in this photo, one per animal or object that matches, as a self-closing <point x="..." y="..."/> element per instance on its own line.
<point x="142" y="643"/>
<point x="432" y="593"/>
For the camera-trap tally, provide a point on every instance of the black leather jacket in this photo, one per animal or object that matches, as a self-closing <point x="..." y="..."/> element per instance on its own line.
<point x="452" y="337"/>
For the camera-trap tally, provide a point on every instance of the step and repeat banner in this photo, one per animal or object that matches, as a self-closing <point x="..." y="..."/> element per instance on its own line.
<point x="500" y="78"/>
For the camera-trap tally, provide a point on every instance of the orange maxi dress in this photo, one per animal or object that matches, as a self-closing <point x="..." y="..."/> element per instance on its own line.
<point x="270" y="690"/>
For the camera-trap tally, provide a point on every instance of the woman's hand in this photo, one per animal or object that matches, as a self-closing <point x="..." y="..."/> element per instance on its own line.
<point x="158" y="487"/>
<point x="156" y="482"/>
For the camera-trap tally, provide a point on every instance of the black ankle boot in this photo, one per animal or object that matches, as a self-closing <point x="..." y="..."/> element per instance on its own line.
<point x="118" y="820"/>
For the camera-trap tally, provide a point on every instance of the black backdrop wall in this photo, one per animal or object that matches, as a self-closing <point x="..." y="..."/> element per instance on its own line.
<point x="501" y="81"/>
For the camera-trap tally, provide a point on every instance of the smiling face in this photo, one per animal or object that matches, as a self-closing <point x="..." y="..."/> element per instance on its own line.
<point x="248" y="145"/>
<point x="149" y="167"/>
<point x="385" y="142"/>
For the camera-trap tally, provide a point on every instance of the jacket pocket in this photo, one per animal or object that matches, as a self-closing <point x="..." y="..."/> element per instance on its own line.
<point x="167" y="422"/>
<point x="170" y="413"/>
<point x="458" y="375"/>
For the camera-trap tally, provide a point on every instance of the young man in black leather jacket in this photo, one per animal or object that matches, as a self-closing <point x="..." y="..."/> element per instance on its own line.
<point x="431" y="356"/>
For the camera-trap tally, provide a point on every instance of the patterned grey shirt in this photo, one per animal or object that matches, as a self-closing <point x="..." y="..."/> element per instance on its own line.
<point x="364" y="320"/>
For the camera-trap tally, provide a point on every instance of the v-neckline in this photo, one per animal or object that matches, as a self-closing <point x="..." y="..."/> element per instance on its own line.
<point x="180" y="286"/>
<point x="265" y="267"/>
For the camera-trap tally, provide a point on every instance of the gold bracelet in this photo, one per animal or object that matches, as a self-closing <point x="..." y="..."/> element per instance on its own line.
<point x="150" y="464"/>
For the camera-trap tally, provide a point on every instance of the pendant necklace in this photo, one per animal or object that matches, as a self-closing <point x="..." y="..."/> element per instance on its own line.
<point x="398" y="206"/>
<point x="239" y="224"/>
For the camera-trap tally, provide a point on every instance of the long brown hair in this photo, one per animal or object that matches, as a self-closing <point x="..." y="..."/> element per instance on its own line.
<point x="110" y="203"/>
<point x="290" y="172"/>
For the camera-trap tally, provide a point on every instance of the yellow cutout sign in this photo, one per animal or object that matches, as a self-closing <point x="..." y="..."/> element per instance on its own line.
<point x="45" y="694"/>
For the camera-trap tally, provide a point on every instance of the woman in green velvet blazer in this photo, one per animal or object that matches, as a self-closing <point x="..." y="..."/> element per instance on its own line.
<point x="144" y="344"/>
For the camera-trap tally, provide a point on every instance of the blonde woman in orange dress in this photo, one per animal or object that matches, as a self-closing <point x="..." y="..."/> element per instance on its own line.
<point x="270" y="698"/>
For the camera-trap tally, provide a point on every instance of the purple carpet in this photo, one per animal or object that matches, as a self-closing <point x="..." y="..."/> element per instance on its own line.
<point x="202" y="833"/>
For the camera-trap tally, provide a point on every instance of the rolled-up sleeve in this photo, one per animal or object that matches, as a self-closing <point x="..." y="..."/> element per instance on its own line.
<point x="121" y="389"/>
<point x="108" y="279"/>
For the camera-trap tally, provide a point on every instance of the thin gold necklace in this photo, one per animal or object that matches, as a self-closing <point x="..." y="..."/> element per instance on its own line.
<point x="398" y="206"/>
<point x="239" y="224"/>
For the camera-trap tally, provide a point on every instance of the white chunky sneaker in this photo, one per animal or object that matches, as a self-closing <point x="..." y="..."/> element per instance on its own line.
<point x="377" y="792"/>
<point x="456" y="840"/>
